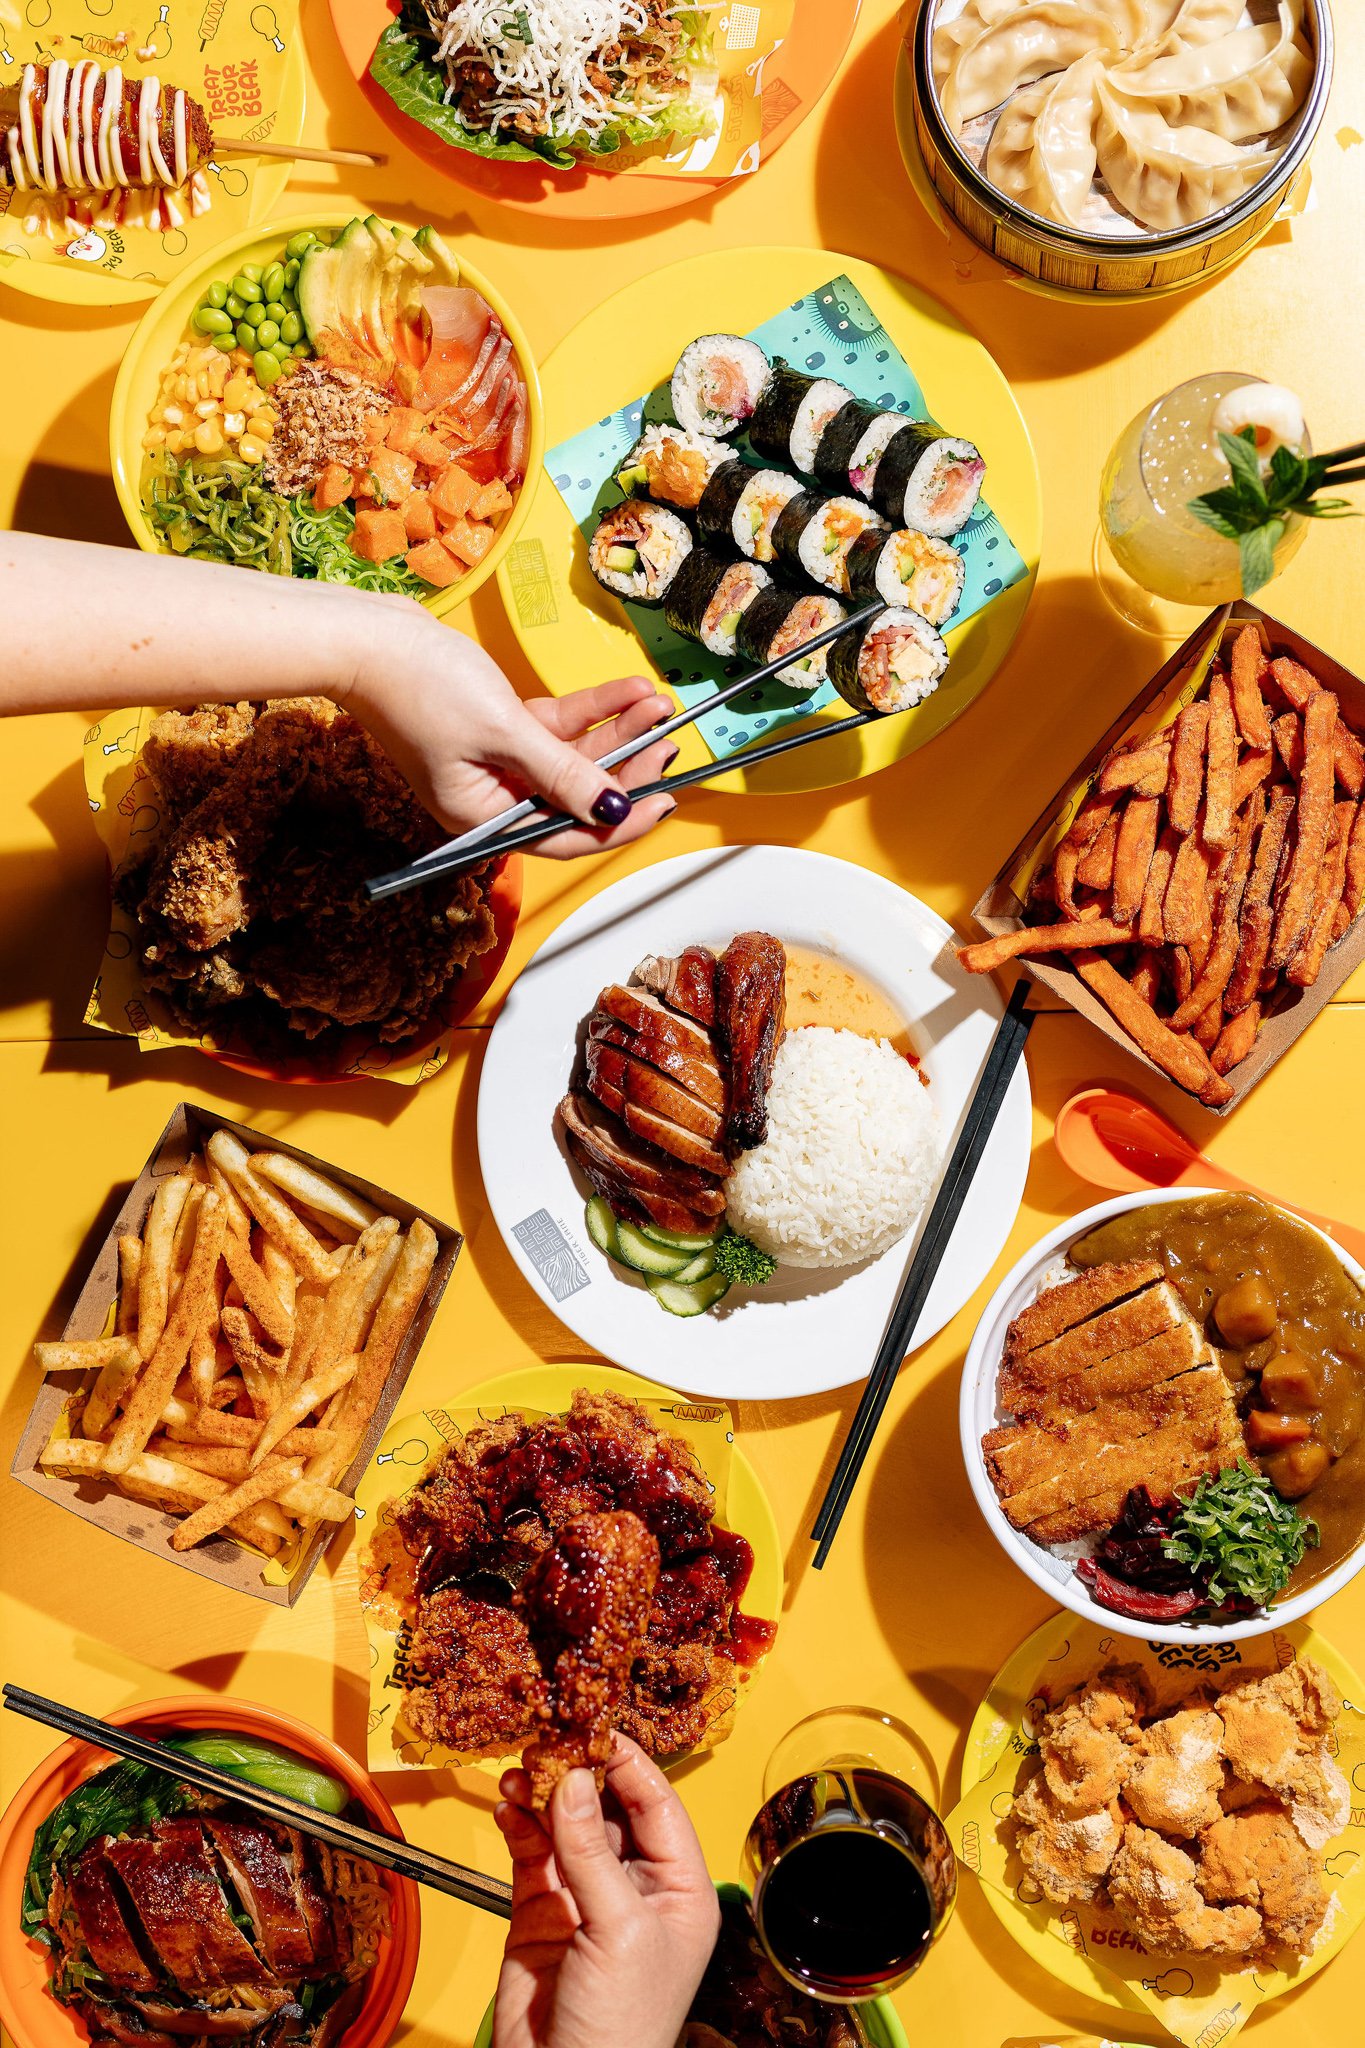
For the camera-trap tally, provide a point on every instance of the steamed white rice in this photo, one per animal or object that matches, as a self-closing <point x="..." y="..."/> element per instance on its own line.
<point x="850" y="1156"/>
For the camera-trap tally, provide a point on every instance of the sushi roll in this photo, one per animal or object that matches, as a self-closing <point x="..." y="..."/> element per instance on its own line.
<point x="871" y="446"/>
<point x="776" y="623"/>
<point x="717" y="384"/>
<point x="761" y="503"/>
<point x="907" y="568"/>
<point x="893" y="662"/>
<point x="844" y="434"/>
<point x="928" y="480"/>
<point x="792" y="414"/>
<point x="814" y="535"/>
<point x="638" y="549"/>
<point x="719" y="503"/>
<point x="710" y="597"/>
<point x="672" y="467"/>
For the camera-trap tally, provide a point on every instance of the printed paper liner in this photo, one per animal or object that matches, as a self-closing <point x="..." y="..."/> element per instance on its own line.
<point x="409" y="1446"/>
<point x="1195" y="1998"/>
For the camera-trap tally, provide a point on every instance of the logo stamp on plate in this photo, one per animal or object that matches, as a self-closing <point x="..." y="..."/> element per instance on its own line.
<point x="550" y="1252"/>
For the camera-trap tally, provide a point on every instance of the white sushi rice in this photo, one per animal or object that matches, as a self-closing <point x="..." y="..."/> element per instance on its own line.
<point x="850" y="1156"/>
<point x="813" y="415"/>
<point x="862" y="470"/>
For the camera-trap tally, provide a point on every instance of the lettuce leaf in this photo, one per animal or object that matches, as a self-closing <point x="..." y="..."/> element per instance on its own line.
<point x="403" y="67"/>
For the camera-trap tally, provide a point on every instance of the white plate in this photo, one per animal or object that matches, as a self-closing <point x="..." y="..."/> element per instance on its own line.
<point x="978" y="1413"/>
<point x="804" y="1333"/>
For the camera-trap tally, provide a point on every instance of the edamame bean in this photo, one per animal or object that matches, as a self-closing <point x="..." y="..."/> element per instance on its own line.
<point x="254" y="315"/>
<point x="210" y="321"/>
<point x="297" y="245"/>
<point x="246" y="288"/>
<point x="303" y="348"/>
<point x="227" y="342"/>
<point x="253" y="271"/>
<point x="282" y="351"/>
<point x="234" y="306"/>
<point x="275" y="309"/>
<point x="291" y="329"/>
<point x="216" y="295"/>
<point x="267" y="368"/>
<point x="291" y="273"/>
<point x="267" y="334"/>
<point x="246" y="336"/>
<point x="272" y="280"/>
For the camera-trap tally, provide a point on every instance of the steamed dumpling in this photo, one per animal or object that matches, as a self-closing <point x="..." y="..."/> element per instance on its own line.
<point x="1203" y="21"/>
<point x="1042" y="152"/>
<point x="1243" y="85"/>
<point x="1047" y="35"/>
<point x="1169" y="177"/>
<point x="952" y="37"/>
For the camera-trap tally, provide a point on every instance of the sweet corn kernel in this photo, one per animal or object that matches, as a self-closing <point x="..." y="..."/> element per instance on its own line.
<point x="153" y="437"/>
<point x="206" y="408"/>
<point x="250" y="450"/>
<point x="208" y="439"/>
<point x="261" y="426"/>
<point x="235" y="393"/>
<point x="171" y="415"/>
<point x="234" y="423"/>
<point x="218" y="370"/>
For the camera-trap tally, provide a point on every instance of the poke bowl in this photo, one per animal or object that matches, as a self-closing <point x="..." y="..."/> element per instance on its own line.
<point x="1182" y="1456"/>
<point x="34" y="2017"/>
<point x="332" y="398"/>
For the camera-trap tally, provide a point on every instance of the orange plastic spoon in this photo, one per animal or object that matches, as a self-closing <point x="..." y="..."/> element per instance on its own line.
<point x="1121" y="1142"/>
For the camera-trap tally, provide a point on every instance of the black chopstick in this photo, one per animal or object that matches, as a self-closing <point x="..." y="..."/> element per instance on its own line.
<point x="982" y="1111"/>
<point x="405" y="1860"/>
<point x="444" y="860"/>
<point x="1345" y="476"/>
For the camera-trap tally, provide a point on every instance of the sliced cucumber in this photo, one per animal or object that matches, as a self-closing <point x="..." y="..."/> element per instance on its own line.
<point x="678" y="1240"/>
<point x="693" y="1300"/>
<point x="601" y="1224"/>
<point x="636" y="1250"/>
<point x="625" y="561"/>
<point x="699" y="1268"/>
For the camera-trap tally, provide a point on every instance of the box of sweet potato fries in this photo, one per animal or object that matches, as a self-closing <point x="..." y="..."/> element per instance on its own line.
<point x="1196" y="887"/>
<point x="236" y="1351"/>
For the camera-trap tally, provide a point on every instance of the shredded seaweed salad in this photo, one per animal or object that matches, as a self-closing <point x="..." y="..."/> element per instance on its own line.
<point x="127" y="1797"/>
<point x="405" y="66"/>
<point x="222" y="512"/>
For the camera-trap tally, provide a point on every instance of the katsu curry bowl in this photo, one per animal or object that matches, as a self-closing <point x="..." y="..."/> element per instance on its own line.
<point x="1163" y="1416"/>
<point x="715" y="1107"/>
<point x="134" y="1909"/>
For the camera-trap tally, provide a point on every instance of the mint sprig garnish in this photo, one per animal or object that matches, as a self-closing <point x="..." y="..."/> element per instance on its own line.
<point x="1254" y="510"/>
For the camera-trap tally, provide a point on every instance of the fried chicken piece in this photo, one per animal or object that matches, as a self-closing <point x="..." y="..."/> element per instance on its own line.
<point x="679" y="1694"/>
<point x="187" y="753"/>
<point x="1257" y="1858"/>
<point x="586" y="1605"/>
<point x="1275" y="1734"/>
<point x="1067" y="1854"/>
<point x="1153" y="1887"/>
<point x="1176" y="1773"/>
<point x="477" y="1672"/>
<point x="1086" y="1741"/>
<point x="446" y="1514"/>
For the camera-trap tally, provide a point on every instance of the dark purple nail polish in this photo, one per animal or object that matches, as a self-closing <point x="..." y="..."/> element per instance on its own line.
<point x="669" y="758"/>
<point x="611" y="808"/>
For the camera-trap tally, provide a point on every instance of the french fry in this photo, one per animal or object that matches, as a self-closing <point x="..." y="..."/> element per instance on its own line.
<point x="238" y="1215"/>
<point x="115" y="1378"/>
<point x="393" y="1317"/>
<point x="259" y="1293"/>
<point x="240" y="1432"/>
<point x="1220" y="766"/>
<point x="1151" y="927"/>
<point x="1313" y="821"/>
<point x="1248" y="665"/>
<point x="1306" y="965"/>
<point x="307" y="1323"/>
<point x="1177" y="1056"/>
<point x="1216" y="971"/>
<point x="313" y="1502"/>
<point x="185" y="1226"/>
<point x="164" y="1367"/>
<point x="306" y="1184"/>
<point x="264" y="1484"/>
<point x="79" y="1354"/>
<point x="1185" y="784"/>
<point x="269" y="1208"/>
<point x="327" y="1229"/>
<point x="1096" y="867"/>
<point x="227" y="1461"/>
<point x="378" y="1273"/>
<point x="301" y="1402"/>
<point x="339" y="1332"/>
<point x="1236" y="1039"/>
<point x="129" y="1266"/>
<point x="260" y="1369"/>
<point x="1133" y="855"/>
<point x="154" y="1276"/>
<point x="280" y="1272"/>
<point x="1299" y="688"/>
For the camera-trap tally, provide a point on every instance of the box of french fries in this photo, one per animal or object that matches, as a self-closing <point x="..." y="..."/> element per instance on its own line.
<point x="234" y="1355"/>
<point x="1196" y="888"/>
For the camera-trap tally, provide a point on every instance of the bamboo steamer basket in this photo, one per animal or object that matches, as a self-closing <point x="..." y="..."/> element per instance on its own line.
<point x="1100" y="267"/>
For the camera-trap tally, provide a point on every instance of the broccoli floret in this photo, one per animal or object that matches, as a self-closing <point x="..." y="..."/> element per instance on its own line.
<point x="743" y="1263"/>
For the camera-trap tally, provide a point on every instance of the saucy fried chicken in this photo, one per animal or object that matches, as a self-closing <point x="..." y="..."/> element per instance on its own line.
<point x="478" y="1672"/>
<point x="586" y="1605"/>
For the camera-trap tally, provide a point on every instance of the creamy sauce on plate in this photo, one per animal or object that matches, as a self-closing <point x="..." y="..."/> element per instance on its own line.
<point x="823" y="990"/>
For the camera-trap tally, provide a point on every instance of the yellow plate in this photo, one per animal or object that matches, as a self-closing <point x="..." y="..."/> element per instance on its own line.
<point x="551" y="1388"/>
<point x="574" y="634"/>
<point x="166" y="323"/>
<point x="249" y="73"/>
<point x="989" y="1735"/>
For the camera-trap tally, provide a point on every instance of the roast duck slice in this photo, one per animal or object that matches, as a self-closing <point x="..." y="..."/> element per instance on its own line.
<point x="751" y="1009"/>
<point x="634" y="1175"/>
<point x="686" y="982"/>
<point x="174" y="1886"/>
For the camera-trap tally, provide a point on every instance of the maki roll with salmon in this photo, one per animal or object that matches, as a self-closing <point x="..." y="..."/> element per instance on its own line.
<point x="777" y="623"/>
<point x="814" y="535"/>
<point x="638" y="549"/>
<point x="717" y="384"/>
<point x="710" y="597"/>
<point x="928" y="480"/>
<point x="892" y="663"/>
<point x="672" y="467"/>
<point x="871" y="445"/>
<point x="741" y="508"/>
<point x="907" y="568"/>
<point x="792" y="415"/>
<point x="844" y="434"/>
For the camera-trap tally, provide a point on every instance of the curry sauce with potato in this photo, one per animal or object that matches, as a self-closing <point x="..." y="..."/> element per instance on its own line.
<point x="1287" y="1323"/>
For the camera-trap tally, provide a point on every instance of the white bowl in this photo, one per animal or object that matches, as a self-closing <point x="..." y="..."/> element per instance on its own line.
<point x="977" y="1414"/>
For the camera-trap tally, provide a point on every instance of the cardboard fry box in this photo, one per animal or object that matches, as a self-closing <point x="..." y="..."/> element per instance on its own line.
<point x="96" y="1500"/>
<point x="1000" y="909"/>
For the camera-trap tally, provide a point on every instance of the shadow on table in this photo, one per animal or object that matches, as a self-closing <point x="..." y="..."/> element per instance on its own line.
<point x="53" y="900"/>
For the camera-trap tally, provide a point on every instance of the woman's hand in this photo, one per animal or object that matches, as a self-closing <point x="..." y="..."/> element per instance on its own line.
<point x="613" y="1921"/>
<point x="469" y="745"/>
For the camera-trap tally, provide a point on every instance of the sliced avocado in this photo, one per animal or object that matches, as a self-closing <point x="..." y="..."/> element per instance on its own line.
<point x="329" y="280"/>
<point x="729" y="625"/>
<point x="384" y="239"/>
<point x="630" y="480"/>
<point x="624" y="560"/>
<point x="442" y="256"/>
<point x="355" y="279"/>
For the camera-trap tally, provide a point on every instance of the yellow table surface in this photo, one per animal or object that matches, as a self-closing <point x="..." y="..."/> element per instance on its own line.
<point x="918" y="1606"/>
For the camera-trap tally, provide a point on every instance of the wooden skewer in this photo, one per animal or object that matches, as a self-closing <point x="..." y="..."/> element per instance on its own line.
<point x="298" y="152"/>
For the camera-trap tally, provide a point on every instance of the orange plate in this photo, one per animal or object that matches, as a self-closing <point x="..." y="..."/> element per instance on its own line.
<point x="801" y="71"/>
<point x="468" y="992"/>
<point x="33" y="2017"/>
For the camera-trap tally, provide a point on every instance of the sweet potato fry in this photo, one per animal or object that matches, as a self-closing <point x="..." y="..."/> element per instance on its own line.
<point x="269" y="1208"/>
<point x="164" y="1367"/>
<point x="129" y="1266"/>
<point x="1248" y="665"/>
<point x="1252" y="771"/>
<point x="1313" y="821"/>
<point x="1151" y="927"/>
<point x="1348" y="754"/>
<point x="1287" y="734"/>
<point x="1185" y="785"/>
<point x="1136" y="767"/>
<point x="154" y="1277"/>
<point x="1221" y="767"/>
<point x="1146" y="976"/>
<point x="306" y="1184"/>
<point x="1236" y="1039"/>
<point x="1182" y="972"/>
<point x="1186" y="912"/>
<point x="1177" y="1056"/>
<point x="1216" y="971"/>
<point x="1306" y="965"/>
<point x="1133" y="855"/>
<point x="259" y="1293"/>
<point x="264" y="1484"/>
<point x="988" y="954"/>
<point x="1208" y="1025"/>
<point x="1096" y="868"/>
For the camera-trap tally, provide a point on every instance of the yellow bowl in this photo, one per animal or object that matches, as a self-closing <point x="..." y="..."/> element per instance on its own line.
<point x="166" y="323"/>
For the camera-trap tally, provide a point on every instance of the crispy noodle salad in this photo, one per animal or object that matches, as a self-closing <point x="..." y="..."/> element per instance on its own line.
<point x="554" y="79"/>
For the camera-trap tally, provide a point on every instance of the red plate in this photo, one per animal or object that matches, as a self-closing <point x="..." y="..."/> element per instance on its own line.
<point x="465" y="997"/>
<point x="793" y="82"/>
